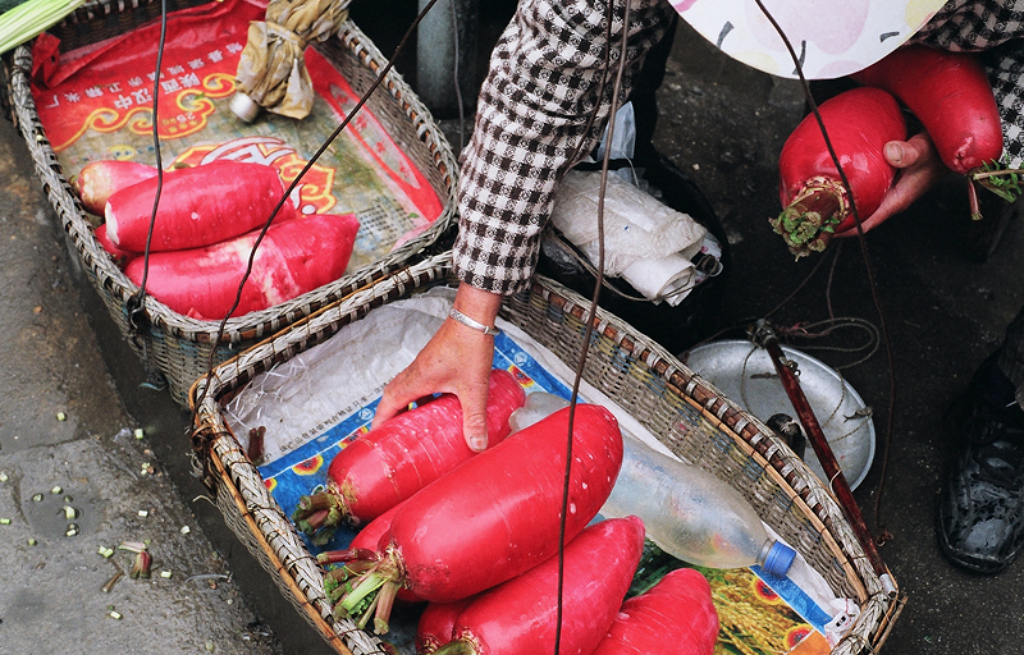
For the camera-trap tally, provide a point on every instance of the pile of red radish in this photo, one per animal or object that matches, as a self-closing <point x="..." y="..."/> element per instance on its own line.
<point x="950" y="95"/>
<point x="480" y="544"/>
<point x="207" y="224"/>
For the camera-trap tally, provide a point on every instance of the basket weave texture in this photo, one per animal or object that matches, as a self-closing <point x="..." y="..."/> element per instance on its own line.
<point x="686" y="413"/>
<point x="173" y="346"/>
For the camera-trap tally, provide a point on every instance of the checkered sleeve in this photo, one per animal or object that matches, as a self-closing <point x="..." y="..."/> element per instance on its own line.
<point x="542" y="86"/>
<point x="996" y="28"/>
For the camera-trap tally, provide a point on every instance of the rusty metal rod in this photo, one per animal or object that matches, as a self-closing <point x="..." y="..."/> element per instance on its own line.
<point x="764" y="336"/>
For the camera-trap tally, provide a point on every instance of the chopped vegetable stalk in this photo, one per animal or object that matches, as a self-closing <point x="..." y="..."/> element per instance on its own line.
<point x="112" y="581"/>
<point x="141" y="565"/>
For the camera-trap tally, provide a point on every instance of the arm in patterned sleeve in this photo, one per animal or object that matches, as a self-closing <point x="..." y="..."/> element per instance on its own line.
<point x="1006" y="71"/>
<point x="533" y="109"/>
<point x="543" y="84"/>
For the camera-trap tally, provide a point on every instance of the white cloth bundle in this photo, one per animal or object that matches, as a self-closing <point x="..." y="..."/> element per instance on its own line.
<point x="646" y="242"/>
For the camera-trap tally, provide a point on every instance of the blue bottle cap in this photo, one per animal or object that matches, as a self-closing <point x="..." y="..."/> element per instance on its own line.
<point x="780" y="557"/>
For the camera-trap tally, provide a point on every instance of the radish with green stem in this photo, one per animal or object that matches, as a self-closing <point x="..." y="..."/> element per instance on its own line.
<point x="494" y="517"/>
<point x="389" y="464"/>
<point x="859" y="123"/>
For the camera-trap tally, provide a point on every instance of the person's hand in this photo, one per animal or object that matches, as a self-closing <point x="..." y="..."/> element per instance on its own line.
<point x="920" y="168"/>
<point x="457" y="360"/>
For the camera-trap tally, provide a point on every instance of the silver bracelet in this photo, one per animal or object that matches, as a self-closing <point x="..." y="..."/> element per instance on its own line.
<point x="476" y="325"/>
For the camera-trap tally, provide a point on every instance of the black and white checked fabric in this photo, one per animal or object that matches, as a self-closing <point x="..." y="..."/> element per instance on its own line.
<point x="543" y="85"/>
<point x="994" y="27"/>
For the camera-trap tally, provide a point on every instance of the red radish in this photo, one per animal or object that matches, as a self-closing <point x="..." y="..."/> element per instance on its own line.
<point x="495" y="516"/>
<point x="407" y="452"/>
<point x="675" y="617"/>
<point x="519" y="617"/>
<point x="199" y="206"/>
<point x="293" y="258"/>
<point x="363" y="545"/>
<point x="98" y="180"/>
<point x="370" y="536"/>
<point x="121" y="257"/>
<point x="859" y="123"/>
<point x="949" y="92"/>
<point x="437" y="625"/>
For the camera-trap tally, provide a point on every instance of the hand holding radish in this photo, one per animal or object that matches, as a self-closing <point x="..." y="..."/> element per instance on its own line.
<point x="399" y="457"/>
<point x="952" y="97"/>
<point x="457" y="360"/>
<point x="816" y="202"/>
<point x="920" y="168"/>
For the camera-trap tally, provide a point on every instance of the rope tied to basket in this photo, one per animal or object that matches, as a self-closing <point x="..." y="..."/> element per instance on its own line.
<point x="202" y="437"/>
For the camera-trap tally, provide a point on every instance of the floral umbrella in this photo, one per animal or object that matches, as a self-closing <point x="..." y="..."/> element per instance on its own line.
<point x="272" y="70"/>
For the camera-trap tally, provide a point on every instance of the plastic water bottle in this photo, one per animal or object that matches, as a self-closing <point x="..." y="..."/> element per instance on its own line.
<point x="688" y="513"/>
<point x="692" y="515"/>
<point x="537" y="406"/>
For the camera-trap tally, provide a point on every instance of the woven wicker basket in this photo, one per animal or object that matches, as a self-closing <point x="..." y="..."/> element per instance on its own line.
<point x="178" y="348"/>
<point x="686" y="413"/>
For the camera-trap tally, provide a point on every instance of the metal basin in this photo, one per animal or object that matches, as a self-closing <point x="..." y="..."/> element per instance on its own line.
<point x="745" y="374"/>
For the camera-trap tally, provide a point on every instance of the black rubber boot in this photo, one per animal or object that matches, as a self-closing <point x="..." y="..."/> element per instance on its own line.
<point x="981" y="513"/>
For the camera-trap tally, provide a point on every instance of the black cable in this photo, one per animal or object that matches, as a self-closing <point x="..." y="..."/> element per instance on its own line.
<point x="455" y="76"/>
<point x="136" y="303"/>
<point x="883" y="323"/>
<point x="291" y="187"/>
<point x="599" y="282"/>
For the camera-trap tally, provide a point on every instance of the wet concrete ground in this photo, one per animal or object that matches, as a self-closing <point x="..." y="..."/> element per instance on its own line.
<point x="723" y="124"/>
<point x="75" y="480"/>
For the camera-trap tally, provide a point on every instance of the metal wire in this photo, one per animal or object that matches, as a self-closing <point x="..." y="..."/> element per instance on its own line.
<point x="886" y="338"/>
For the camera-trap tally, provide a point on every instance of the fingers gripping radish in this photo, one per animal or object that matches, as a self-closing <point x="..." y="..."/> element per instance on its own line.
<point x="293" y="258"/>
<point x="98" y="180"/>
<point x="675" y="617"/>
<point x="859" y="123"/>
<point x="409" y="451"/>
<point x="199" y="206"/>
<point x="949" y="92"/>
<point x="520" y="617"/>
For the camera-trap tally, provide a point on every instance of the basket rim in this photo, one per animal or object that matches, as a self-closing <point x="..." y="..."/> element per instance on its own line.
<point x="816" y="503"/>
<point x="114" y="281"/>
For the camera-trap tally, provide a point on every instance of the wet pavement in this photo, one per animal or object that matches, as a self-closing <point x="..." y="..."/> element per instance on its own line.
<point x="75" y="481"/>
<point x="724" y="125"/>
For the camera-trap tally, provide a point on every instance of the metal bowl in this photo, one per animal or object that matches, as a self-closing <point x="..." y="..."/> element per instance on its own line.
<point x="744" y="373"/>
